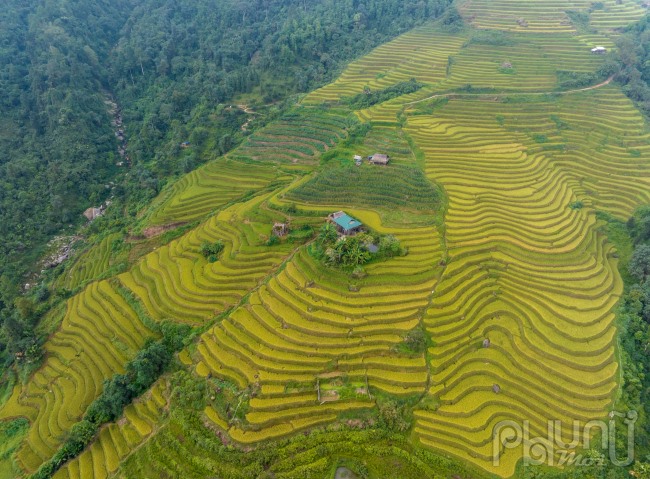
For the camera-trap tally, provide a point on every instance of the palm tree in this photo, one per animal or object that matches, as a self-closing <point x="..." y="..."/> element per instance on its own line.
<point x="327" y="234"/>
<point x="355" y="254"/>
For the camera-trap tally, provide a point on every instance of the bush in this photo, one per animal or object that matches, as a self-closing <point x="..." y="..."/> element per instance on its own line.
<point x="640" y="263"/>
<point x="416" y="340"/>
<point x="390" y="246"/>
<point x="272" y="241"/>
<point x="452" y="21"/>
<point x="359" y="273"/>
<point x="211" y="251"/>
<point x="393" y="417"/>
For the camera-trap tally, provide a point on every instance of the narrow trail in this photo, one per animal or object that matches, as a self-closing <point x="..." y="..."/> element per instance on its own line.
<point x="496" y="95"/>
<point x="246" y="109"/>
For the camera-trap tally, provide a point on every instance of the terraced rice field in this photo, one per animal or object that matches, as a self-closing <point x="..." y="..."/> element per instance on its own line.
<point x="449" y="62"/>
<point x="391" y="141"/>
<point x="521" y="261"/>
<point x="393" y="187"/>
<point x="176" y="282"/>
<point x="616" y="15"/>
<point x="118" y="440"/>
<point x="527" y="272"/>
<point x="534" y="61"/>
<point x="90" y="265"/>
<point x="298" y="138"/>
<point x="524" y="270"/>
<point x="166" y="455"/>
<point x="548" y="16"/>
<point x="99" y="334"/>
<point x="210" y="187"/>
<point x="305" y="326"/>
<point x="422" y="54"/>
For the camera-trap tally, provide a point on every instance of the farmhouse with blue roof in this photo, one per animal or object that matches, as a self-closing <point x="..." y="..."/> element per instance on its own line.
<point x="345" y="224"/>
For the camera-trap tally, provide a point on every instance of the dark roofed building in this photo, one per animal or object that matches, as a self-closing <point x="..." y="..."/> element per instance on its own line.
<point x="345" y="224"/>
<point x="379" y="159"/>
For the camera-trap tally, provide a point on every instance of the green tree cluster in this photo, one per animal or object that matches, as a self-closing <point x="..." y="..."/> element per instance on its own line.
<point x="354" y="251"/>
<point x="211" y="251"/>
<point x="634" y="324"/>
<point x="369" y="98"/>
<point x="57" y="147"/>
<point x="633" y="56"/>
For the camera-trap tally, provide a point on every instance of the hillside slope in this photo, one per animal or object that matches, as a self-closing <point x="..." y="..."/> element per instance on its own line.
<point x="501" y="309"/>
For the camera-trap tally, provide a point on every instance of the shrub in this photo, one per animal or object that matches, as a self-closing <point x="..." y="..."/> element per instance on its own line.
<point x="272" y="241"/>
<point x="292" y="209"/>
<point x="416" y="340"/>
<point x="211" y="251"/>
<point x="452" y="21"/>
<point x="359" y="272"/>
<point x="390" y="246"/>
<point x="393" y="417"/>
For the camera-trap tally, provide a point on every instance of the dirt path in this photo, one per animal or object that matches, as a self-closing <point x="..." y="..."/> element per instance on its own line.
<point x="496" y="95"/>
<point x="246" y="109"/>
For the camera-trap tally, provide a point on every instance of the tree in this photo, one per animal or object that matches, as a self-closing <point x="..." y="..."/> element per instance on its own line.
<point x="393" y="417"/>
<point x="211" y="251"/>
<point x="327" y="234"/>
<point x="147" y="366"/>
<point x="640" y="263"/>
<point x="355" y="254"/>
<point x="390" y="246"/>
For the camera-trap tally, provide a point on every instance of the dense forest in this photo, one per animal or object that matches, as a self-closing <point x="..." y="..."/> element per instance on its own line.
<point x="56" y="143"/>
<point x="633" y="55"/>
<point x="172" y="66"/>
